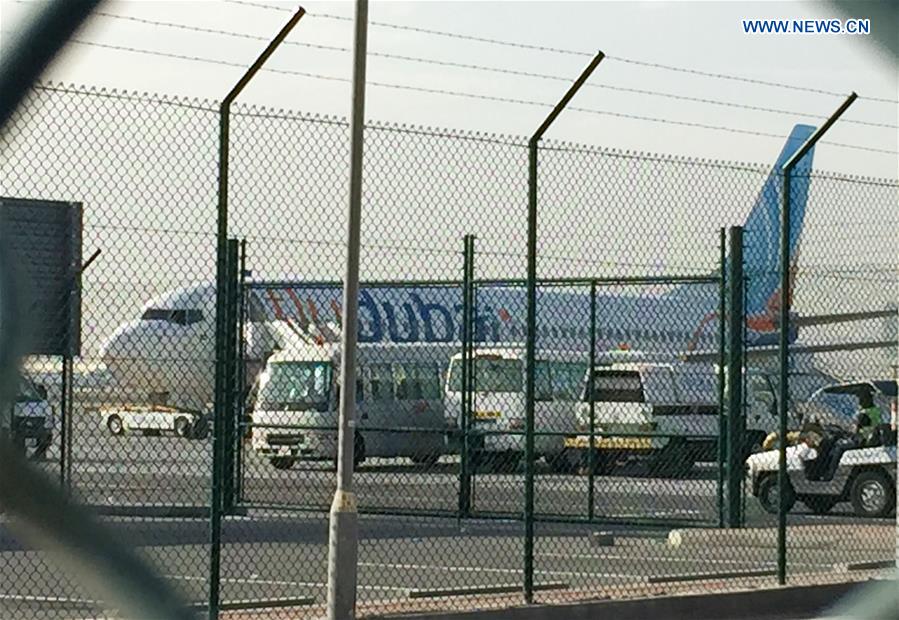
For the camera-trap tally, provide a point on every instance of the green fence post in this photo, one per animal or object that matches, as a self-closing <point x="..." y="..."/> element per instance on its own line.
<point x="722" y="362"/>
<point x="465" y="412"/>
<point x="531" y="340"/>
<point x="735" y="382"/>
<point x="218" y="450"/>
<point x="229" y="410"/>
<point x="783" y="388"/>
<point x="784" y="320"/>
<point x="590" y="452"/>
<point x="241" y="389"/>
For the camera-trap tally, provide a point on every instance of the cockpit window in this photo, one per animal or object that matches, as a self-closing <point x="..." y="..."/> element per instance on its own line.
<point x="169" y="315"/>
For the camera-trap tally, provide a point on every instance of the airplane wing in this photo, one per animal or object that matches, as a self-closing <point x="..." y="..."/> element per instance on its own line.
<point x="848" y="317"/>
<point x="762" y="352"/>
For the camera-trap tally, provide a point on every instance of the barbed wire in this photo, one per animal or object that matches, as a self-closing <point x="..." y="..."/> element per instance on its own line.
<point x="451" y="93"/>
<point x="486" y="68"/>
<point x="571" y="52"/>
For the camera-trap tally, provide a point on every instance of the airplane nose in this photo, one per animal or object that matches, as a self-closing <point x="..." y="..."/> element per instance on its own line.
<point x="120" y="344"/>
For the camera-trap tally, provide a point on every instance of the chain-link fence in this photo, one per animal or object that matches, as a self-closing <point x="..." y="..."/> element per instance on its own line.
<point x="638" y="487"/>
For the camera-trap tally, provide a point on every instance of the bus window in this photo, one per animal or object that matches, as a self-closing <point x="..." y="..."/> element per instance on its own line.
<point x="491" y="374"/>
<point x="567" y="380"/>
<point x="429" y="376"/>
<point x="543" y="387"/>
<point x="360" y="393"/>
<point x="405" y="382"/>
<point x="419" y="381"/>
<point x="380" y="382"/>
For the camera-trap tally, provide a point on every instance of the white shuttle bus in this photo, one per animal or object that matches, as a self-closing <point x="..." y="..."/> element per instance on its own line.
<point x="496" y="431"/>
<point x="399" y="403"/>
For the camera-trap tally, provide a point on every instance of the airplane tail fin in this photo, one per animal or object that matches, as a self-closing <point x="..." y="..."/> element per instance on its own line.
<point x="761" y="255"/>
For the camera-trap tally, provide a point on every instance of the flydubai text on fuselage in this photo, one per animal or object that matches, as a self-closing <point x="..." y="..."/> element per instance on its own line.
<point x="170" y="349"/>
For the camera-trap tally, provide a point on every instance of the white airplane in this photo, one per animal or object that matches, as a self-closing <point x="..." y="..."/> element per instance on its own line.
<point x="167" y="354"/>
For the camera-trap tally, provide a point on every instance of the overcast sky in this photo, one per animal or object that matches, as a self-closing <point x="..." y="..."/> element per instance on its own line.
<point x="703" y="36"/>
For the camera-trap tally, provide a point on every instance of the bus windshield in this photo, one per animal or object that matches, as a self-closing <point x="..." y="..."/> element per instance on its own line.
<point x="491" y="374"/>
<point x="296" y="386"/>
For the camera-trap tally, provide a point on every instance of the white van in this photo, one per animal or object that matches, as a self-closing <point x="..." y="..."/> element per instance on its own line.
<point x="496" y="430"/>
<point x="677" y="404"/>
<point x="399" y="403"/>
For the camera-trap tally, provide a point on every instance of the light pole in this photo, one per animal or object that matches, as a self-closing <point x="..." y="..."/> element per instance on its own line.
<point x="343" y="535"/>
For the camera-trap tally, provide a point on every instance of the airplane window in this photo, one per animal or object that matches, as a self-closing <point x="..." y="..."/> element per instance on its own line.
<point x="179" y="317"/>
<point x="156" y="314"/>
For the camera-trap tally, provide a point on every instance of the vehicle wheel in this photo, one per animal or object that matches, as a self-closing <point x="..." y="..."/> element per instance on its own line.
<point x="604" y="462"/>
<point x="769" y="496"/>
<point x="562" y="463"/>
<point x="427" y="460"/>
<point x="358" y="451"/>
<point x="820" y="504"/>
<point x="872" y="495"/>
<point x="282" y="462"/>
<point x="200" y="429"/>
<point x="505" y="462"/>
<point x="672" y="462"/>
<point x="182" y="427"/>
<point x="115" y="425"/>
<point x="478" y="459"/>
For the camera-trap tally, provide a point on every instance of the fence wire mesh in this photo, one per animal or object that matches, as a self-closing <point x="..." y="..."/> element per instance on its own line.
<point x="631" y="479"/>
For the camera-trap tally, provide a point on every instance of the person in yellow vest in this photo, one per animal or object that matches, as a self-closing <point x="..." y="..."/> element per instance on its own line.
<point x="869" y="417"/>
<point x="867" y="424"/>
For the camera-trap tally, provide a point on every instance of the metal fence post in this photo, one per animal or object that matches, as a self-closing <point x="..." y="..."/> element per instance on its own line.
<point x="591" y="457"/>
<point x="784" y="322"/>
<point x="64" y="416"/>
<point x="722" y="362"/>
<point x="532" y="327"/>
<point x="218" y="450"/>
<point x="465" y="412"/>
<point x="221" y="303"/>
<point x="735" y="360"/>
<point x="229" y="408"/>
<point x="241" y="383"/>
